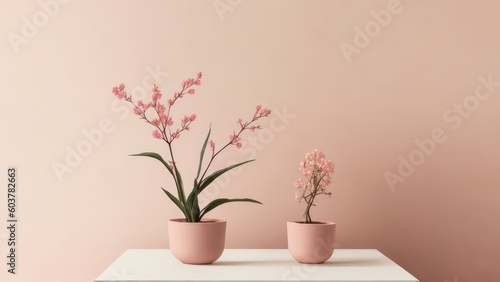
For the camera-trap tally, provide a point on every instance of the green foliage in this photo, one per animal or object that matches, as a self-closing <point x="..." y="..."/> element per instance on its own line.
<point x="190" y="206"/>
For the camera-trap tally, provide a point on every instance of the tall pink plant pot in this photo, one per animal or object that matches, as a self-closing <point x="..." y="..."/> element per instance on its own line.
<point x="197" y="242"/>
<point x="311" y="243"/>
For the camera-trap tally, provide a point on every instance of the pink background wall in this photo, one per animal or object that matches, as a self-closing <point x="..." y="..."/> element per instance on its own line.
<point x="416" y="76"/>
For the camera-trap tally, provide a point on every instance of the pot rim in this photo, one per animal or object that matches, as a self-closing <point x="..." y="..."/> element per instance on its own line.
<point x="203" y="220"/>
<point x="315" y="222"/>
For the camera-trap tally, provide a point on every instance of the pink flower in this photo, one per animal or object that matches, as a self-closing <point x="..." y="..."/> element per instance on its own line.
<point x="298" y="183"/>
<point x="212" y="145"/>
<point x="199" y="75"/>
<point x="170" y="121"/>
<point x="298" y="197"/>
<point x="156" y="96"/>
<point x="157" y="134"/>
<point x="137" y="111"/>
<point x="192" y="117"/>
<point x="140" y="103"/>
<point x="175" y="134"/>
<point x="255" y="127"/>
<point x="161" y="108"/>
<point x="258" y="107"/>
<point x="265" y="113"/>
<point x="170" y="102"/>
<point x="318" y="173"/>
<point x="197" y="82"/>
<point x="240" y="122"/>
<point x="163" y="118"/>
<point x="188" y="82"/>
<point x="184" y="121"/>
<point x="119" y="92"/>
<point x="235" y="140"/>
<point x="191" y="91"/>
<point x="155" y="122"/>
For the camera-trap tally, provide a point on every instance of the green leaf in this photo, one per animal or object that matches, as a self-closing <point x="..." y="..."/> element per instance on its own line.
<point x="203" y="152"/>
<point x="177" y="176"/>
<point x="180" y="186"/>
<point x="192" y="203"/>
<point x="176" y="202"/>
<point x="156" y="156"/>
<point x="218" y="173"/>
<point x="217" y="202"/>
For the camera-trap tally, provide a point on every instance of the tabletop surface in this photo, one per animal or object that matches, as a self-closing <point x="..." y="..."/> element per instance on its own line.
<point x="141" y="265"/>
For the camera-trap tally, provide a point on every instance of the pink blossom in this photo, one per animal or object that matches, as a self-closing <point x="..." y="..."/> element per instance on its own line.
<point x="198" y="82"/>
<point x="192" y="117"/>
<point x="191" y="91"/>
<point x="235" y="140"/>
<point x="298" y="197"/>
<point x="255" y="127"/>
<point x="188" y="82"/>
<point x="161" y="108"/>
<point x="258" y="107"/>
<point x="170" y="102"/>
<point x="156" y="93"/>
<point x="156" y="96"/>
<point x="163" y="117"/>
<point x="184" y="121"/>
<point x="212" y="145"/>
<point x="175" y="134"/>
<point x="265" y="112"/>
<point x="199" y="75"/>
<point x="155" y="122"/>
<point x="119" y="92"/>
<point x="137" y="111"/>
<point x="140" y="103"/>
<point x="318" y="173"/>
<point x="157" y="134"/>
<point x="170" y="121"/>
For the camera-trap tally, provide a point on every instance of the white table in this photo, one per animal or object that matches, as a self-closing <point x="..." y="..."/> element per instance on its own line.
<point x="159" y="265"/>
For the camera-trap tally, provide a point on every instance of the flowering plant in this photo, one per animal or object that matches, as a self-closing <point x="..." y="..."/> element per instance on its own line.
<point x="318" y="172"/>
<point x="159" y="116"/>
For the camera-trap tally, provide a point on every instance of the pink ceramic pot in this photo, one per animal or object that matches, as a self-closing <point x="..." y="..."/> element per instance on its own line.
<point x="197" y="242"/>
<point x="311" y="243"/>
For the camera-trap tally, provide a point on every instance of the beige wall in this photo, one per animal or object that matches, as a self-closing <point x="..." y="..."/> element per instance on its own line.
<point x="367" y="101"/>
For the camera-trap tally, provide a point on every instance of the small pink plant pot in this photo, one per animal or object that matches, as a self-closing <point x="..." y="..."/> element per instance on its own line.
<point x="197" y="242"/>
<point x="311" y="242"/>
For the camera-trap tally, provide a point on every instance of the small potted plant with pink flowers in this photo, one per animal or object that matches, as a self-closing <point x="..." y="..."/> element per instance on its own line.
<point x="311" y="241"/>
<point x="194" y="239"/>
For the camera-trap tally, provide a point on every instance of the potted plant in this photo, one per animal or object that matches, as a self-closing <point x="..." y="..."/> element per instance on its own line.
<point x="311" y="241"/>
<point x="194" y="239"/>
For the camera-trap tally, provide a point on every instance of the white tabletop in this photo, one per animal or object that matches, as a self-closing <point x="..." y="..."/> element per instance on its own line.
<point x="261" y="265"/>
